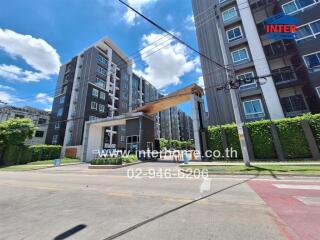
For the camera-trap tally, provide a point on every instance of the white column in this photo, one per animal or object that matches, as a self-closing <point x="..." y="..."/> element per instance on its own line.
<point x="93" y="139"/>
<point x="196" y="122"/>
<point x="259" y="60"/>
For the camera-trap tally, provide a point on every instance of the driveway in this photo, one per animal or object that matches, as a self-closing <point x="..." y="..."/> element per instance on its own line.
<point x="73" y="202"/>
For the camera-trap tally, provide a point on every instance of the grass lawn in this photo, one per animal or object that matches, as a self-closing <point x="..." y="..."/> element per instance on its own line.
<point x="37" y="165"/>
<point x="260" y="169"/>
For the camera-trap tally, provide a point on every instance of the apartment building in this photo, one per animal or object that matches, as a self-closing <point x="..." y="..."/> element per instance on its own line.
<point x="99" y="83"/>
<point x="233" y="33"/>
<point x="176" y="125"/>
<point x="94" y="84"/>
<point x="39" y="117"/>
<point x="143" y="92"/>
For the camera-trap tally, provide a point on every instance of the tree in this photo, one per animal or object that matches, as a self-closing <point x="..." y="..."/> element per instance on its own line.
<point x="15" y="131"/>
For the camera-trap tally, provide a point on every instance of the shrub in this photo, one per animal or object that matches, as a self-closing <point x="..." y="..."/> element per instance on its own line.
<point x="214" y="139"/>
<point x="233" y="138"/>
<point x="261" y="139"/>
<point x="45" y="152"/>
<point x="129" y="158"/>
<point x="293" y="141"/>
<point x="314" y="121"/>
<point x="107" y="161"/>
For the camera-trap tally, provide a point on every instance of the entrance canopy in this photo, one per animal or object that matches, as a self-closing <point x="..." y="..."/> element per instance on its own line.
<point x="171" y="100"/>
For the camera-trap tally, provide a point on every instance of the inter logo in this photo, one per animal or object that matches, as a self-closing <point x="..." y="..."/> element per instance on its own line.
<point x="281" y="26"/>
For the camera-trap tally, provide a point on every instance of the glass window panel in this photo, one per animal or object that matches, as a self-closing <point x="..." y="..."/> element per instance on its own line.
<point x="315" y="26"/>
<point x="303" y="31"/>
<point x="289" y="7"/>
<point x="304" y="3"/>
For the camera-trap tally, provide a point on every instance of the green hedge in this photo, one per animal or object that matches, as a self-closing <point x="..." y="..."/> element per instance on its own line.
<point x="215" y="136"/>
<point x="261" y="139"/>
<point x="314" y="121"/>
<point x="115" y="161"/>
<point x="293" y="141"/>
<point x="107" y="161"/>
<point x="233" y="138"/>
<point x="290" y="132"/>
<point x="44" y="152"/>
<point x="13" y="155"/>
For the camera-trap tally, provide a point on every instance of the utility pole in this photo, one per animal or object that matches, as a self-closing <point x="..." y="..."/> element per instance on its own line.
<point x="239" y="123"/>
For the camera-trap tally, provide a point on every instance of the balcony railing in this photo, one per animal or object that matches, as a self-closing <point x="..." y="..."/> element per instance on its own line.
<point x="284" y="75"/>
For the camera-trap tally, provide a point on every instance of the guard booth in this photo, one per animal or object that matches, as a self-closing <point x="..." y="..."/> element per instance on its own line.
<point x="139" y="134"/>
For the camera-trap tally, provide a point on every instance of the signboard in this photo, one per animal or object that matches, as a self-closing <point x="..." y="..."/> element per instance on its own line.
<point x="281" y="27"/>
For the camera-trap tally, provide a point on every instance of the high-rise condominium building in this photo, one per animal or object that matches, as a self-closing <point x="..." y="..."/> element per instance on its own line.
<point x="233" y="33"/>
<point x="98" y="83"/>
<point x="94" y="84"/>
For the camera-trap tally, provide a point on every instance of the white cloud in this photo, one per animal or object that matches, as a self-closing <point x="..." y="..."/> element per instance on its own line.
<point x="48" y="109"/>
<point x="8" y="98"/>
<point x="44" y="98"/>
<point x="130" y="16"/>
<point x="166" y="66"/>
<point x="36" y="52"/>
<point x="7" y="88"/>
<point x="189" y="23"/>
<point x="12" y="72"/>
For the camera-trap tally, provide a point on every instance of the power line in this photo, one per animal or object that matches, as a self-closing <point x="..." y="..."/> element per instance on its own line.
<point x="175" y="37"/>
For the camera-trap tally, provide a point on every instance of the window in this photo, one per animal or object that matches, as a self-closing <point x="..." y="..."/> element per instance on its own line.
<point x="253" y="109"/>
<point x="57" y="125"/>
<point x="62" y="100"/>
<point x="102" y="60"/>
<point x="60" y="112"/>
<point x="102" y="71"/>
<point x="94" y="105"/>
<point x="234" y="34"/>
<point x="297" y="5"/>
<point x="92" y="118"/>
<point x="95" y="92"/>
<point x="240" y="56"/>
<point x="101" y="108"/>
<point x="229" y="14"/>
<point x="55" y="139"/>
<point x="247" y="82"/>
<point x="312" y="60"/>
<point x="103" y="95"/>
<point x="100" y="82"/>
<point x="308" y="30"/>
<point x="122" y="138"/>
<point x="318" y="91"/>
<point x="42" y="121"/>
<point x="39" y="134"/>
<point x="19" y="116"/>
<point x="293" y="104"/>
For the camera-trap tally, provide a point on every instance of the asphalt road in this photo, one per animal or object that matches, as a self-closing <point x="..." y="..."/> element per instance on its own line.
<point x="73" y="202"/>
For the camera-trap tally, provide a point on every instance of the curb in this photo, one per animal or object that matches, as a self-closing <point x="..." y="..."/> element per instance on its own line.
<point x="112" y="166"/>
<point x="260" y="174"/>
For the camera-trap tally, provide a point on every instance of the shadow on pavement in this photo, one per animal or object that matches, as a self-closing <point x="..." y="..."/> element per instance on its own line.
<point x="70" y="232"/>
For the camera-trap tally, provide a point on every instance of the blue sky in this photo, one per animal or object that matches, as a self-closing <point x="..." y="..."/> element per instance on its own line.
<point x="37" y="35"/>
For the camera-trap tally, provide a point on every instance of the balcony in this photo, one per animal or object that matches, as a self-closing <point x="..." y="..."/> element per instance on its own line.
<point x="279" y="49"/>
<point x="284" y="75"/>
